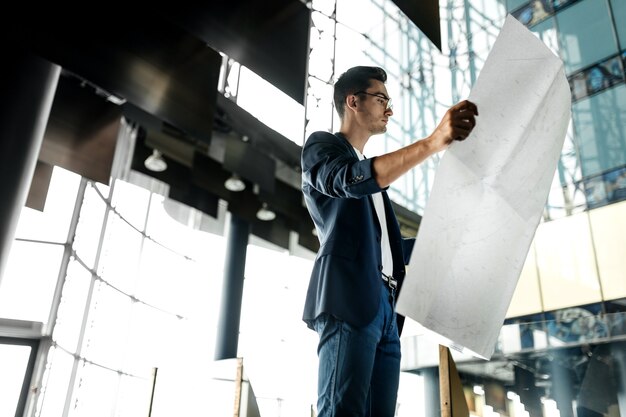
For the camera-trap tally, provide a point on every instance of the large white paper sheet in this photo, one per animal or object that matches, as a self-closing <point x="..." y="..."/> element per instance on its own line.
<point x="488" y="196"/>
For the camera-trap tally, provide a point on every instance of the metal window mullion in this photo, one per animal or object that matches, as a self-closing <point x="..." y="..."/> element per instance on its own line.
<point x="45" y="343"/>
<point x="334" y="72"/>
<point x="470" y="48"/>
<point x="67" y="254"/>
<point x="609" y="5"/>
<point x="453" y="50"/>
<point x="306" y="72"/>
<point x="133" y="298"/>
<point x="88" y="305"/>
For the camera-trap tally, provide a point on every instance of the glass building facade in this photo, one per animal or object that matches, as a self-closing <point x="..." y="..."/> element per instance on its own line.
<point x="126" y="282"/>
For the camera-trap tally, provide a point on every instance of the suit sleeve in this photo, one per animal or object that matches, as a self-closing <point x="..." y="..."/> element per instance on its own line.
<point x="329" y="167"/>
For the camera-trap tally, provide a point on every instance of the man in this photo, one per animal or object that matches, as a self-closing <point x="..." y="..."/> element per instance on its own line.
<point x="360" y="265"/>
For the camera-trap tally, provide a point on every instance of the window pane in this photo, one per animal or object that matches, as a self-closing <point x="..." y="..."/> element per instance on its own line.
<point x="13" y="363"/>
<point x="131" y="202"/>
<point x="163" y="228"/>
<point x="586" y="34"/>
<point x="72" y="306"/>
<point x="181" y="234"/>
<point x="322" y="40"/>
<point x="346" y="15"/>
<point x="546" y="31"/>
<point x="151" y="335"/>
<point x="252" y="97"/>
<point x="134" y="397"/>
<point x="106" y="336"/>
<point x="53" y="223"/>
<point x="164" y="278"/>
<point x="599" y="123"/>
<point x="89" y="227"/>
<point x="30" y="266"/>
<point x="514" y="4"/>
<point x="95" y="394"/>
<point x="119" y="258"/>
<point x="55" y="383"/>
<point x="619" y="14"/>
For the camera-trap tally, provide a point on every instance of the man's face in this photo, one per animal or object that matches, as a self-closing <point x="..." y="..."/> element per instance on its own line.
<point x="374" y="107"/>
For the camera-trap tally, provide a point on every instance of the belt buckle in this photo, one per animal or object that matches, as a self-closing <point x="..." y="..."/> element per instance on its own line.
<point x="391" y="282"/>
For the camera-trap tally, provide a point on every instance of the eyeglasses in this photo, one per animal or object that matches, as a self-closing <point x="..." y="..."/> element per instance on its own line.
<point x="382" y="99"/>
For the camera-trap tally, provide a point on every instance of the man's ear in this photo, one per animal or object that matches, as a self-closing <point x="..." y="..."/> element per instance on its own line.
<point x="351" y="102"/>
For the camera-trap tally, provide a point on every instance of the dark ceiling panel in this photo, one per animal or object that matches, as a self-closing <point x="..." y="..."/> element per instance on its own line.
<point x="82" y="132"/>
<point x="202" y="186"/>
<point x="275" y="231"/>
<point x="309" y="240"/>
<point x="425" y="15"/>
<point x="270" y="37"/>
<point x="142" y="58"/>
<point x="38" y="192"/>
<point x="250" y="164"/>
<point x="194" y="196"/>
<point x="176" y="174"/>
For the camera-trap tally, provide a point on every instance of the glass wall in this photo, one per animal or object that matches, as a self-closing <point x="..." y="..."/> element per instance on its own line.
<point x="122" y="288"/>
<point x="591" y="43"/>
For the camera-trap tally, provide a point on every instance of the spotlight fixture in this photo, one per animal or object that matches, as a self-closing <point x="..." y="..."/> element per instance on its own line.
<point x="265" y="214"/>
<point x="155" y="162"/>
<point x="235" y="184"/>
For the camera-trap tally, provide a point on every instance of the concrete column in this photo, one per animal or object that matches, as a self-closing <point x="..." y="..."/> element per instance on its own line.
<point x="618" y="351"/>
<point x="28" y="84"/>
<point x="232" y="290"/>
<point x="529" y="394"/>
<point x="562" y="389"/>
<point x="432" y="404"/>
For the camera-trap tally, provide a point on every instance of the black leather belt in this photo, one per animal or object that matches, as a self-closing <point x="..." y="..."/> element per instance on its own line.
<point x="391" y="281"/>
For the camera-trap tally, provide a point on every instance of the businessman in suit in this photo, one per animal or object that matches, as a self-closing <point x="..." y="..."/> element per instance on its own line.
<point x="359" y="268"/>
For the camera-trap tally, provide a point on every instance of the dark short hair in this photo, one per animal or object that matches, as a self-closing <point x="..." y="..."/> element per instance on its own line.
<point x="353" y="80"/>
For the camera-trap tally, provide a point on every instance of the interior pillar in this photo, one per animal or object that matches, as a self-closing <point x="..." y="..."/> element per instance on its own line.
<point x="28" y="87"/>
<point x="232" y="289"/>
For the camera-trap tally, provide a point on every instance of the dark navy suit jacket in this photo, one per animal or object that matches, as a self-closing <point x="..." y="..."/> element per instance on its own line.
<point x="346" y="277"/>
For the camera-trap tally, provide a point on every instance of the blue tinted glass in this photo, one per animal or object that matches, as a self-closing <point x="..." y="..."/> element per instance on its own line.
<point x="586" y="34"/>
<point x="619" y="14"/>
<point x="599" y="122"/>
<point x="546" y="31"/>
<point x="615" y="182"/>
<point x="514" y="4"/>
<point x="534" y="12"/>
